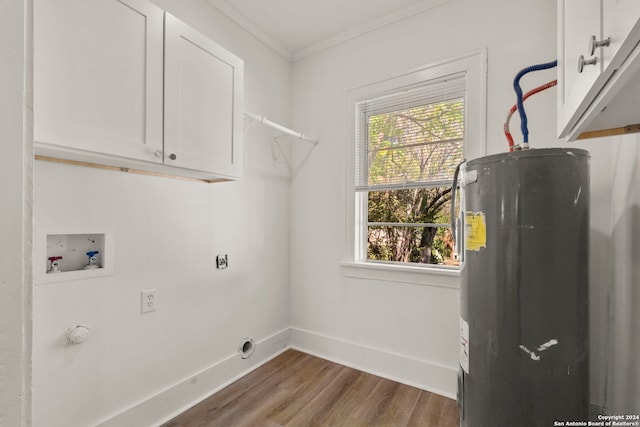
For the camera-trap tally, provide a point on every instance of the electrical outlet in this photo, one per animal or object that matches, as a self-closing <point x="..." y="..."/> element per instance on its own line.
<point x="222" y="262"/>
<point x="149" y="300"/>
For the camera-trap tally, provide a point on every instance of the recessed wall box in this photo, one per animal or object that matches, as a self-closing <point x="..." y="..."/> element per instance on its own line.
<point x="61" y="257"/>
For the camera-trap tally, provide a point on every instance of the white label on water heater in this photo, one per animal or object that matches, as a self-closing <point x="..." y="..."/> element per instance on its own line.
<point x="470" y="177"/>
<point x="464" y="345"/>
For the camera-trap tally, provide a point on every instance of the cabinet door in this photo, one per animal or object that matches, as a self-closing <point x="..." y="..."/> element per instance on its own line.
<point x="98" y="76"/>
<point x="620" y="22"/>
<point x="578" y="21"/>
<point x="203" y="102"/>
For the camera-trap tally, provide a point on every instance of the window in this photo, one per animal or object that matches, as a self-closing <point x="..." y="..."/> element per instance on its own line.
<point x="410" y="134"/>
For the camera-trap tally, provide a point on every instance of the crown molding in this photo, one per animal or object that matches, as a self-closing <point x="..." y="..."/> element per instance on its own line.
<point x="251" y="28"/>
<point x="406" y="12"/>
<point x="373" y="25"/>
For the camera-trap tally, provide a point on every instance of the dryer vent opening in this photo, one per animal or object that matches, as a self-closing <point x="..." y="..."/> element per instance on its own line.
<point x="246" y="348"/>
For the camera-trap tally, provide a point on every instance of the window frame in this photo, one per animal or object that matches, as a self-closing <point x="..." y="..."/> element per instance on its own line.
<point x="362" y="143"/>
<point x="473" y="65"/>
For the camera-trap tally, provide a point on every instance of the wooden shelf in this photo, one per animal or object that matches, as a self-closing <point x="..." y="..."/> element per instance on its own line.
<point x="125" y="169"/>
<point x="610" y="132"/>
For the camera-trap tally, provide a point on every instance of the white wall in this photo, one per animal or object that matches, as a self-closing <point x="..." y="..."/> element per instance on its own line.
<point x="167" y="234"/>
<point x="15" y="213"/>
<point x="624" y="371"/>
<point x="393" y="323"/>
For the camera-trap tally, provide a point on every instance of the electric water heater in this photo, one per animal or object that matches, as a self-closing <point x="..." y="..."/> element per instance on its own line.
<point x="524" y="294"/>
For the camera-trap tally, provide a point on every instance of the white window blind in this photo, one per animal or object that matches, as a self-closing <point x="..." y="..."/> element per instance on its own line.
<point x="413" y="138"/>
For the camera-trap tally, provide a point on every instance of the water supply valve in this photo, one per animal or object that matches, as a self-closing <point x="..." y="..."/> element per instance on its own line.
<point x="55" y="264"/>
<point x="93" y="260"/>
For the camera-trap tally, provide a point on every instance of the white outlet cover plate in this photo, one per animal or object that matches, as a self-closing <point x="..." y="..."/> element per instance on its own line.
<point x="148" y="300"/>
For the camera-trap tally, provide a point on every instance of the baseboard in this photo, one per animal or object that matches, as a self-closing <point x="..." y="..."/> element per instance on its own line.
<point x="427" y="375"/>
<point x="168" y="403"/>
<point x="175" y="399"/>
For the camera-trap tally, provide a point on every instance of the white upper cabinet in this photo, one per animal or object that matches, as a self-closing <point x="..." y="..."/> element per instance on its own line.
<point x="203" y="94"/>
<point x="618" y="20"/>
<point x="579" y="21"/>
<point x="122" y="83"/>
<point x="98" y="76"/>
<point x="598" y="59"/>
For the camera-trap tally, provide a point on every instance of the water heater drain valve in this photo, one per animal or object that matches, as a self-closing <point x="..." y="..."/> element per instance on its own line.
<point x="55" y="264"/>
<point x="93" y="260"/>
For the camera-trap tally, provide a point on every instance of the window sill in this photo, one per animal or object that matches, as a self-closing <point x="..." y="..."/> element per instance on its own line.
<point x="425" y="276"/>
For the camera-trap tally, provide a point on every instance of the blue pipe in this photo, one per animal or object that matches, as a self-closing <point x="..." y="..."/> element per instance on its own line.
<point x="518" y="89"/>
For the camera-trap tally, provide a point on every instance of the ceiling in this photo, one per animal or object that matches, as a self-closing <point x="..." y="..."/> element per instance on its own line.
<point x="297" y="28"/>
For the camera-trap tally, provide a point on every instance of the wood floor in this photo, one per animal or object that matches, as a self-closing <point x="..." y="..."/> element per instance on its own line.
<point x="296" y="389"/>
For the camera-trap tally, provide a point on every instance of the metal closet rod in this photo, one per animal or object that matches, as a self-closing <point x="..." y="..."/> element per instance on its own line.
<point x="267" y="122"/>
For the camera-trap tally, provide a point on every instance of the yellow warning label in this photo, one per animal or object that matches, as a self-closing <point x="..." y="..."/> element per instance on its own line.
<point x="475" y="231"/>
